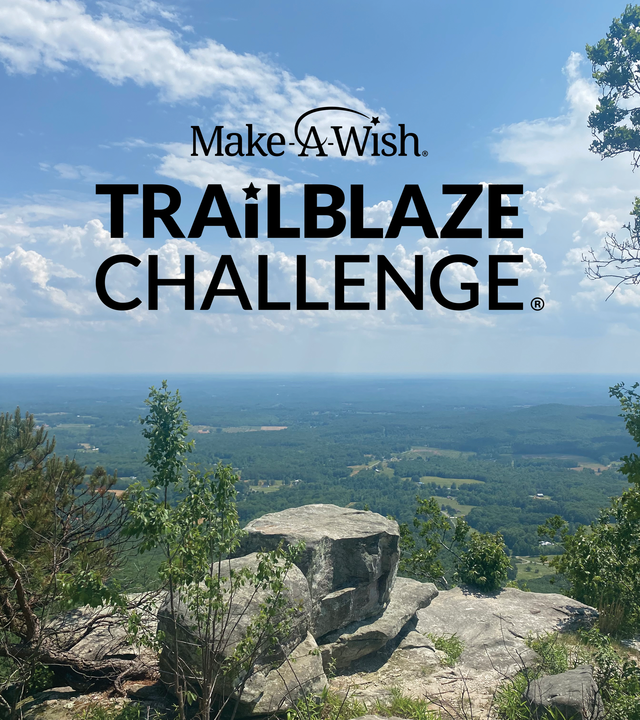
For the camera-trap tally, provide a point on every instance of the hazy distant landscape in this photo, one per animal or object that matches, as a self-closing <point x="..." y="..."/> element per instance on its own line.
<point x="504" y="452"/>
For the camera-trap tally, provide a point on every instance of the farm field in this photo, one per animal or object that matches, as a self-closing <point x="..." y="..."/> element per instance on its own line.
<point x="447" y="482"/>
<point x="461" y="509"/>
<point x="537" y="577"/>
<point x="530" y="568"/>
<point x="262" y="488"/>
<point x="580" y="462"/>
<point x="427" y="451"/>
<point x="205" y="429"/>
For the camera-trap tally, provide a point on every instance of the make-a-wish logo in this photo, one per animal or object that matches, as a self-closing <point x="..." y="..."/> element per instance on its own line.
<point x="312" y="136"/>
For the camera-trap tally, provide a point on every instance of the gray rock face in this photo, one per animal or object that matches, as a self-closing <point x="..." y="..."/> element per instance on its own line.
<point x="367" y="636"/>
<point x="573" y="693"/>
<point x="350" y="559"/>
<point x="274" y="690"/>
<point x="493" y="629"/>
<point x="275" y="681"/>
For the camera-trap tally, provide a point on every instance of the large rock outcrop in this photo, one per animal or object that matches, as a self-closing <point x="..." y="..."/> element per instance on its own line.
<point x="349" y="609"/>
<point x="276" y="681"/>
<point x="350" y="559"/>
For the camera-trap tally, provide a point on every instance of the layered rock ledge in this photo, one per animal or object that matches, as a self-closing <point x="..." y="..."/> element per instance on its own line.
<point x="367" y="636"/>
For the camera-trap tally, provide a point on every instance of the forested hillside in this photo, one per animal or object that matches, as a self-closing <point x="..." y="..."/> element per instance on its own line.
<point x="506" y="453"/>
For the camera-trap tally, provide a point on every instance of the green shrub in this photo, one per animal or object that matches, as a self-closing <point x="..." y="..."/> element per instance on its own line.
<point x="330" y="706"/>
<point x="405" y="707"/>
<point x="128" y="711"/>
<point x="555" y="656"/>
<point x="449" y="644"/>
<point x="617" y="678"/>
<point x="196" y="535"/>
<point x="484" y="563"/>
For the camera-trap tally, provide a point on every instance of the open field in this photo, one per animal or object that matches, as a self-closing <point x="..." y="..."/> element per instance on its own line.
<point x="531" y="568"/>
<point x="596" y="467"/>
<point x="355" y="469"/>
<point x="446" y="482"/>
<point x="274" y="487"/>
<point x="424" y="452"/>
<point x="207" y="429"/>
<point x="253" y="428"/>
<point x="580" y="461"/>
<point x="72" y="426"/>
<point x="462" y="509"/>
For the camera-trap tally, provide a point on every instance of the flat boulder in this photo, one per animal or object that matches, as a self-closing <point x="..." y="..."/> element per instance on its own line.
<point x="573" y="694"/>
<point x="367" y="636"/>
<point x="493" y="627"/>
<point x="350" y="559"/>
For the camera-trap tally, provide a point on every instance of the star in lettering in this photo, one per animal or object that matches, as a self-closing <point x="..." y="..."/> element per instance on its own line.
<point x="251" y="192"/>
<point x="375" y="120"/>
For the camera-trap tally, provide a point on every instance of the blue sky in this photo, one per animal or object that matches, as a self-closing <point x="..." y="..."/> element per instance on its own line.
<point x="498" y="93"/>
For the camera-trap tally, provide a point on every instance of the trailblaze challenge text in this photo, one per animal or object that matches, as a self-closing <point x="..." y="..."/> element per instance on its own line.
<point x="326" y="214"/>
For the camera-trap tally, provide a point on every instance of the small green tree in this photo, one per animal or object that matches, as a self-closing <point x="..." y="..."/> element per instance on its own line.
<point x="479" y="559"/>
<point x="197" y="535"/>
<point x="615" y="124"/>
<point x="601" y="561"/>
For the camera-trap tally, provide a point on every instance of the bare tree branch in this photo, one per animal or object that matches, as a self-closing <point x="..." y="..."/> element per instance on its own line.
<point x="30" y="620"/>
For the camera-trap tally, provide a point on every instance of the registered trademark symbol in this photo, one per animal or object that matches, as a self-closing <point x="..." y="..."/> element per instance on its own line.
<point x="537" y="303"/>
<point x="424" y="153"/>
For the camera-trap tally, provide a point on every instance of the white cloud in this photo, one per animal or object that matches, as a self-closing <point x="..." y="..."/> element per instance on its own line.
<point x="539" y="208"/>
<point x="78" y="172"/>
<point x="39" y="280"/>
<point x="55" y="35"/>
<point x="596" y="227"/>
<point x="143" y="11"/>
<point x="378" y="215"/>
<point x="178" y="164"/>
<point x="547" y="145"/>
<point x="578" y="198"/>
<point x="17" y="228"/>
<point x="24" y="219"/>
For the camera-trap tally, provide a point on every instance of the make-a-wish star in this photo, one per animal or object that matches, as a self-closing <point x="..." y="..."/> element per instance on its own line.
<point x="251" y="192"/>
<point x="375" y="120"/>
